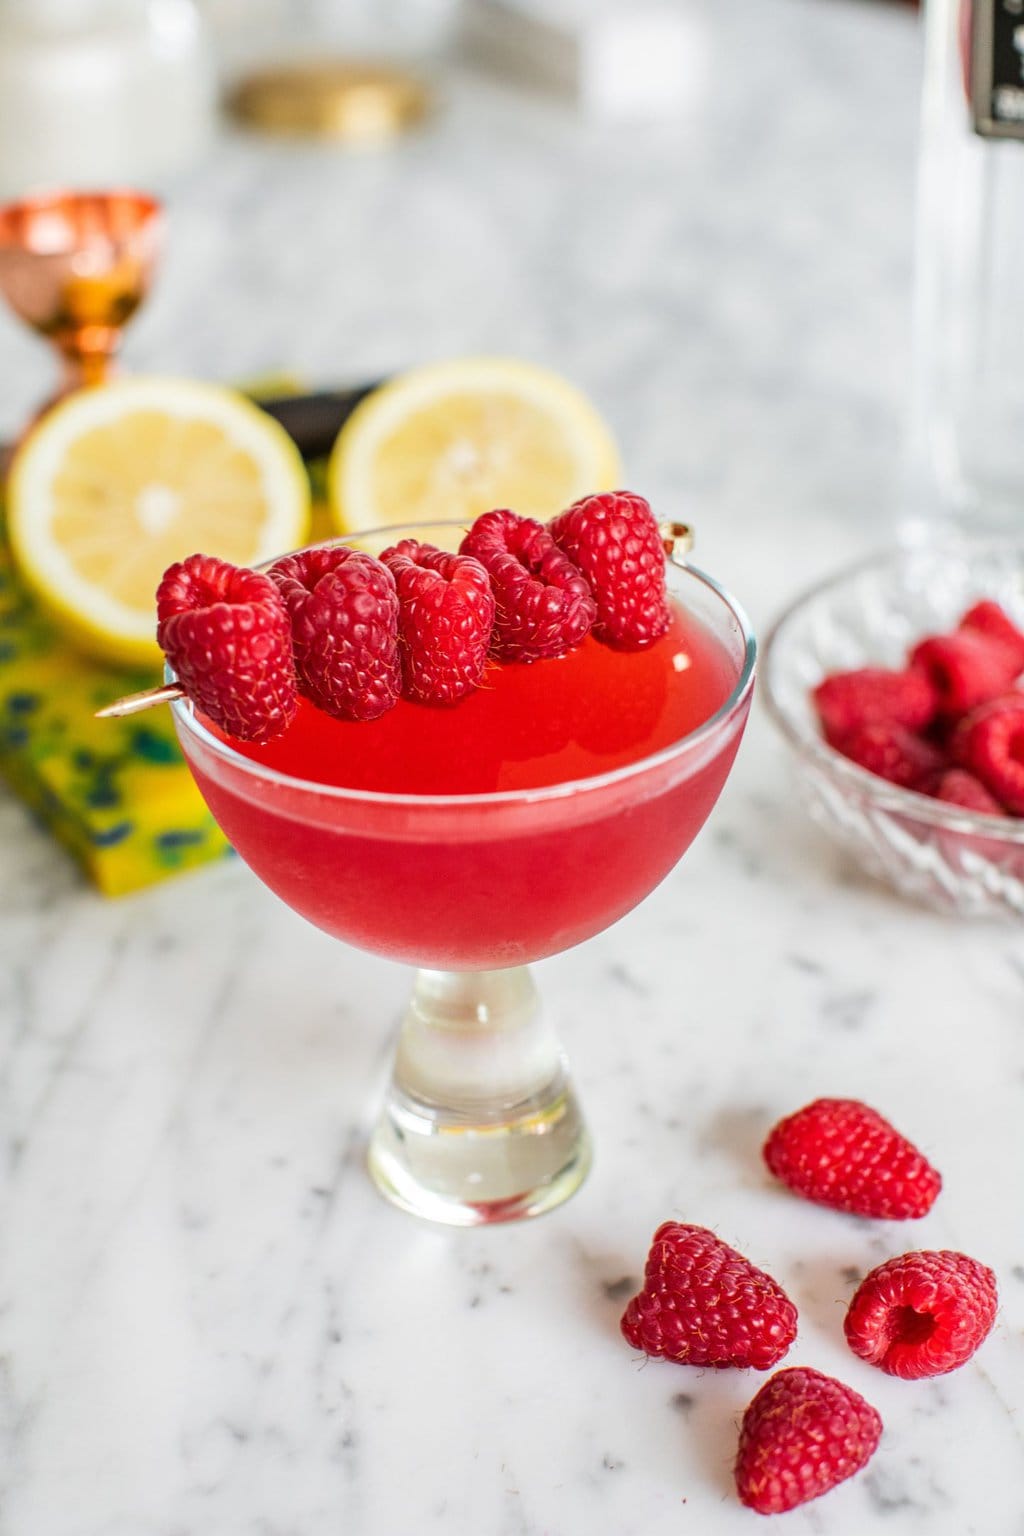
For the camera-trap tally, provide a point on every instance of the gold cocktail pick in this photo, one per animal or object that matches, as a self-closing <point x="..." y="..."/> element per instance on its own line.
<point x="135" y="703"/>
<point x="676" y="539"/>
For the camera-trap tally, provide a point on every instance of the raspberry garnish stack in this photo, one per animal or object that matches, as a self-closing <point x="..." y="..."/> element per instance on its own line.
<point x="354" y="633"/>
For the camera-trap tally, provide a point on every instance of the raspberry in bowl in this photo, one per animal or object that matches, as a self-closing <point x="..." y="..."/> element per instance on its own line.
<point x="868" y="677"/>
<point x="431" y="800"/>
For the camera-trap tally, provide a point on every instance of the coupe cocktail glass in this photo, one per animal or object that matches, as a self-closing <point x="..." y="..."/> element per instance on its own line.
<point x="480" y="1122"/>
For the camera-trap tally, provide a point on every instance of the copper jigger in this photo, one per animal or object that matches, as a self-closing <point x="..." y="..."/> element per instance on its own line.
<point x="75" y="266"/>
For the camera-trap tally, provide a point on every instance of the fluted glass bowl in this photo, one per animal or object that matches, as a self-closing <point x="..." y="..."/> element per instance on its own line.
<point x="869" y="615"/>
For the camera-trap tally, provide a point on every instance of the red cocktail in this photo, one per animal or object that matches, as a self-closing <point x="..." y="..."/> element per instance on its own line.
<point x="474" y="839"/>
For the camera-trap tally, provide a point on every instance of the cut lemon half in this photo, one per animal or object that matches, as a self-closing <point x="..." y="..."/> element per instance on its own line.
<point x="454" y="439"/>
<point x="117" y="483"/>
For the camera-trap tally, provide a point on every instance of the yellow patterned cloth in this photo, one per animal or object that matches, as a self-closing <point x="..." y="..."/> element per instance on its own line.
<point x="117" y="793"/>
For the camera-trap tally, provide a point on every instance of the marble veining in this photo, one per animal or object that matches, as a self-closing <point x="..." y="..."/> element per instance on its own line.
<point x="209" y="1323"/>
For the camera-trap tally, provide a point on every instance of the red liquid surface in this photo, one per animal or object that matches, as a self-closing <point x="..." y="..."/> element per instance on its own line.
<point x="487" y="883"/>
<point x="586" y="713"/>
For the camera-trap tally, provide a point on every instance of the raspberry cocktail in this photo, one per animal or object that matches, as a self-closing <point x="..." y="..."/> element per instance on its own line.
<point x="471" y="840"/>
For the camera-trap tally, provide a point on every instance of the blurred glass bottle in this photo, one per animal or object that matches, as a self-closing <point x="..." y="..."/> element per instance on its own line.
<point x="99" y="92"/>
<point x="967" y="460"/>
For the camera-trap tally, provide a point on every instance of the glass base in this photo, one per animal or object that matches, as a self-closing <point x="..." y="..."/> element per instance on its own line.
<point x="480" y="1123"/>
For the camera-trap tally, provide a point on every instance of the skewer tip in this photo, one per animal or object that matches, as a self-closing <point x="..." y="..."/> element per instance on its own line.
<point x="135" y="703"/>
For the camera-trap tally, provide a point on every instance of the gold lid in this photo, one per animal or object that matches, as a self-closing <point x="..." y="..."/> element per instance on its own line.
<point x="340" y="99"/>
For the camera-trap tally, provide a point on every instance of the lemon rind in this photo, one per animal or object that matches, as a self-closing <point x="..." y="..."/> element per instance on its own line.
<point x="101" y="623"/>
<point x="349" y="468"/>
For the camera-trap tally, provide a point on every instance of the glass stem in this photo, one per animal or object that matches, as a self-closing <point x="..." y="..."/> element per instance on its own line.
<point x="475" y="1039"/>
<point x="480" y="1123"/>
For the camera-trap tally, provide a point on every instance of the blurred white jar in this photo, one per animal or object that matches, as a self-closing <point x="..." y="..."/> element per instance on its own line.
<point x="100" y="92"/>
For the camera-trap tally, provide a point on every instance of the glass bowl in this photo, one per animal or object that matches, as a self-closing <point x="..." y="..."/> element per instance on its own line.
<point x="955" y="860"/>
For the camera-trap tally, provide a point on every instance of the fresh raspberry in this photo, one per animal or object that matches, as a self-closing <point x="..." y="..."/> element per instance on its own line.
<point x="802" y="1434"/>
<point x="965" y="669"/>
<point x="703" y="1303"/>
<point x="344" y="614"/>
<point x="543" y="606"/>
<point x="958" y="787"/>
<point x="922" y="1314"/>
<point x="958" y="737"/>
<point x="614" y="540"/>
<point x="989" y="619"/>
<point x="225" y="631"/>
<point x="838" y="1152"/>
<point x="445" y="618"/>
<point x="893" y="753"/>
<point x="846" y="701"/>
<point x="990" y="744"/>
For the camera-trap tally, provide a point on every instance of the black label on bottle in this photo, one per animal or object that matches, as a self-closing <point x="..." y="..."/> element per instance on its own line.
<point x="997" y="67"/>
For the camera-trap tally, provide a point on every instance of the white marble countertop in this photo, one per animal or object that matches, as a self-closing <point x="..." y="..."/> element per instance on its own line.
<point x="210" y="1325"/>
